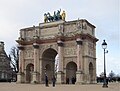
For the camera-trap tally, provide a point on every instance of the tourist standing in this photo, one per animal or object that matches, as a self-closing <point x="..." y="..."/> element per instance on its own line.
<point x="73" y="80"/>
<point x="46" y="81"/>
<point x="67" y="80"/>
<point x="53" y="81"/>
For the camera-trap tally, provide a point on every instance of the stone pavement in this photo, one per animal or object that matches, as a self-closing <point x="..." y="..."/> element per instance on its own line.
<point x="39" y="87"/>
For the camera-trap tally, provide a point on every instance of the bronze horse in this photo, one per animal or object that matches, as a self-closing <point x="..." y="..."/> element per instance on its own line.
<point x="55" y="17"/>
<point x="50" y="18"/>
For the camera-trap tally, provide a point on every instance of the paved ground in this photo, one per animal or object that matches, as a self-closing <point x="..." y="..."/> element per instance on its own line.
<point x="38" y="87"/>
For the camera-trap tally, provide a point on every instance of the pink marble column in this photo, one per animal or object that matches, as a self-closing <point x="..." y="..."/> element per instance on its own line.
<point x="20" y="75"/>
<point x="36" y="56"/>
<point x="21" y="58"/>
<point x="35" y="74"/>
<point x="60" y="55"/>
<point x="79" y="73"/>
<point x="79" y="56"/>
<point x="60" y="75"/>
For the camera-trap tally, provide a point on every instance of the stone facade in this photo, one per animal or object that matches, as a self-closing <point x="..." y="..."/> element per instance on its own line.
<point x="75" y="44"/>
<point x="5" y="68"/>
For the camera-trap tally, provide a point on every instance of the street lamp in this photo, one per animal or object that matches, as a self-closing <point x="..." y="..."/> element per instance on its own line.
<point x="104" y="46"/>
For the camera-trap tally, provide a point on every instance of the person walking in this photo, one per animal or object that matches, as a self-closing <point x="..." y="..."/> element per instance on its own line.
<point x="67" y="80"/>
<point x="53" y="81"/>
<point x="46" y="81"/>
<point x="73" y="80"/>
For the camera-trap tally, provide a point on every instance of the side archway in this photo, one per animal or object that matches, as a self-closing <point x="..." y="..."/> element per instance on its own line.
<point x="91" y="72"/>
<point x="29" y="71"/>
<point x="71" y="69"/>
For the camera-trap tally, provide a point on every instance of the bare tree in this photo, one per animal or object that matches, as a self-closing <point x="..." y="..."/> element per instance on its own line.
<point x="14" y="57"/>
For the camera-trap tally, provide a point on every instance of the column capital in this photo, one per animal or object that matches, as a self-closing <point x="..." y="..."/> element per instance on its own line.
<point x="60" y="43"/>
<point x="35" y="45"/>
<point x="79" y="41"/>
<point x="20" y="47"/>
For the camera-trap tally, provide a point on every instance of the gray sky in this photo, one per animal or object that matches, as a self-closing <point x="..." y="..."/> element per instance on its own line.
<point x="104" y="14"/>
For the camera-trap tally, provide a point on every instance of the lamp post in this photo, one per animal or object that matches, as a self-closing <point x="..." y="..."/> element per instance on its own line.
<point x="104" y="46"/>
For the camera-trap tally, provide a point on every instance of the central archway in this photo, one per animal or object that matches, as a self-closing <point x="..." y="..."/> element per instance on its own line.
<point x="48" y="63"/>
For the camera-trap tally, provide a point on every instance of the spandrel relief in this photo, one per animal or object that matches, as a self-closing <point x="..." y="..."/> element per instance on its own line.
<point x="69" y="59"/>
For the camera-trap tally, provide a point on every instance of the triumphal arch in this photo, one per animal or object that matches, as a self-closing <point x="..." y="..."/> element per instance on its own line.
<point x="74" y="44"/>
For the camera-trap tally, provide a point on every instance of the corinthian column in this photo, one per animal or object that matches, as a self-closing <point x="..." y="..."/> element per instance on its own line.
<point x="60" y="78"/>
<point x="36" y="62"/>
<point x="36" y="56"/>
<point x="20" y="75"/>
<point x="79" y="74"/>
<point x="79" y="56"/>
<point x="60" y="55"/>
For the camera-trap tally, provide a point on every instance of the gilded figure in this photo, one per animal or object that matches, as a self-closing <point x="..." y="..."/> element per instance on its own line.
<point x="45" y="18"/>
<point x="63" y="15"/>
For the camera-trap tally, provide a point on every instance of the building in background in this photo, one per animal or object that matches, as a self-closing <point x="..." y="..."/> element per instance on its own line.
<point x="6" y="72"/>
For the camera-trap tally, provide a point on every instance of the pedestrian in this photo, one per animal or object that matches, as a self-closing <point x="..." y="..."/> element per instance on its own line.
<point x="67" y="80"/>
<point x="73" y="80"/>
<point x="46" y="81"/>
<point x="53" y="81"/>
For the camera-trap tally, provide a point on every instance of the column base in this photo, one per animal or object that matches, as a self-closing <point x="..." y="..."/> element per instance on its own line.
<point x="79" y="77"/>
<point x="60" y="77"/>
<point x="35" y="79"/>
<point x="20" y="77"/>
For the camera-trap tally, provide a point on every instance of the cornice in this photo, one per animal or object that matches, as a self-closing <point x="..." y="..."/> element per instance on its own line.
<point x="56" y="38"/>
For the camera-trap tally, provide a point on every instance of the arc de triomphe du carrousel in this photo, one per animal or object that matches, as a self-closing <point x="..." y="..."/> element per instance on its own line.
<point x="64" y="49"/>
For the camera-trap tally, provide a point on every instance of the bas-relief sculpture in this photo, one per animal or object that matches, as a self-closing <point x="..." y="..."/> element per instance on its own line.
<point x="29" y="54"/>
<point x="70" y="51"/>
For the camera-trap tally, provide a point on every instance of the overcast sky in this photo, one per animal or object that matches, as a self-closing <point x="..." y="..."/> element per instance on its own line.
<point x="104" y="14"/>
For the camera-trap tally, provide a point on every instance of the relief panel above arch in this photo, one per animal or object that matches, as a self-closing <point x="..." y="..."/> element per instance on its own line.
<point x="70" y="49"/>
